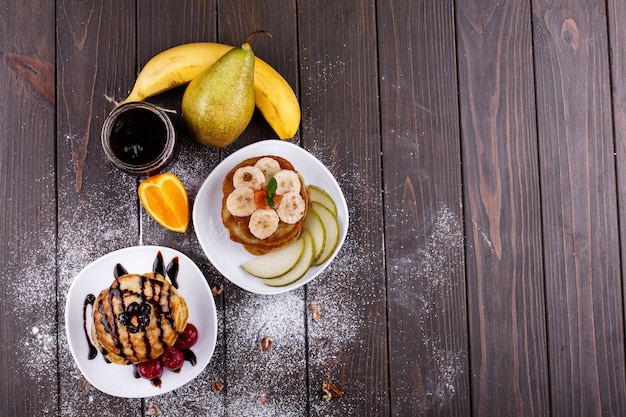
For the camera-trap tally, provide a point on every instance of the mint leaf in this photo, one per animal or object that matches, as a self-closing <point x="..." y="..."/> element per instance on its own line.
<point x="270" y="192"/>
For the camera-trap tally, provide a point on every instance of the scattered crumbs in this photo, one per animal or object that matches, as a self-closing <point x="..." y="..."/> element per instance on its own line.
<point x="217" y="290"/>
<point x="153" y="410"/>
<point x="217" y="386"/>
<point x="315" y="312"/>
<point x="331" y="392"/>
<point x="265" y="344"/>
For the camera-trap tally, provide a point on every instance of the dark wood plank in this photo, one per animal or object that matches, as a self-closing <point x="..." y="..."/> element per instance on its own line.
<point x="502" y="213"/>
<point x="28" y="352"/>
<point x="340" y="126"/>
<point x="271" y="382"/>
<point x="423" y="211"/>
<point x="583" y="283"/>
<point x="617" y="46"/>
<point x="97" y="208"/>
<point x="161" y="25"/>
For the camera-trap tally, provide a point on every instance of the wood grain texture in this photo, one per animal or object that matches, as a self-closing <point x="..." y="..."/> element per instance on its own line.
<point x="423" y="211"/>
<point x="583" y="284"/>
<point x="162" y="25"/>
<point x="502" y="216"/>
<point x="97" y="209"/>
<point x="27" y="217"/>
<point x="480" y="146"/>
<point x="617" y="46"/>
<point x="271" y="382"/>
<point x="340" y="127"/>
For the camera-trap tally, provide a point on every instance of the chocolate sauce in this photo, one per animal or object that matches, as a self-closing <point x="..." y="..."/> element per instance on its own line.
<point x="159" y="266"/>
<point x="190" y="356"/>
<point x="172" y="271"/>
<point x="138" y="137"/>
<point x="89" y="300"/>
<point x="119" y="271"/>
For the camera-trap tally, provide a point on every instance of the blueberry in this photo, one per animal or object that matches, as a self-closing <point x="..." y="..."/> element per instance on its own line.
<point x="145" y="309"/>
<point x="133" y="308"/>
<point x="133" y="329"/>
<point x="143" y="320"/>
<point x="123" y="318"/>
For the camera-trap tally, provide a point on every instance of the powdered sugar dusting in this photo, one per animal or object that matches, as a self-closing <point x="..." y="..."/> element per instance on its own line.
<point x="32" y="301"/>
<point x="346" y="296"/>
<point x="255" y="383"/>
<point x="426" y="275"/>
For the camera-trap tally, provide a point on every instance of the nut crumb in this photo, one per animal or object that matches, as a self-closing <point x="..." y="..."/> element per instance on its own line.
<point x="315" y="312"/>
<point x="266" y="344"/>
<point x="153" y="410"/>
<point x="217" y="290"/>
<point x="217" y="386"/>
<point x="331" y="392"/>
<point x="261" y="400"/>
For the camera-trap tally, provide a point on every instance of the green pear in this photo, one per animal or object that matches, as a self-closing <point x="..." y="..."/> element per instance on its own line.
<point x="219" y="103"/>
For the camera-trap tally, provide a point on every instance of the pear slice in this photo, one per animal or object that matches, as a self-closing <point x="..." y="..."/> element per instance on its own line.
<point x="319" y="195"/>
<point x="300" y="268"/>
<point x="275" y="263"/>
<point x="313" y="223"/>
<point x="331" y="225"/>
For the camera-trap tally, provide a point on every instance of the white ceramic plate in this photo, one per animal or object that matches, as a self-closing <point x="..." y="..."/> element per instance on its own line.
<point x="226" y="255"/>
<point x="119" y="380"/>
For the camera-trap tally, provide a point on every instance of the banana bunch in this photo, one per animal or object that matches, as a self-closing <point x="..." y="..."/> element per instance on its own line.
<point x="174" y="67"/>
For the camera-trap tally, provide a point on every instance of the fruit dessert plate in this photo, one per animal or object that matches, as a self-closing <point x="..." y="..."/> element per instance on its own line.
<point x="126" y="381"/>
<point x="289" y="267"/>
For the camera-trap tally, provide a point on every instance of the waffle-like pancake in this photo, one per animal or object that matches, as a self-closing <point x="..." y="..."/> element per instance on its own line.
<point x="238" y="226"/>
<point x="137" y="318"/>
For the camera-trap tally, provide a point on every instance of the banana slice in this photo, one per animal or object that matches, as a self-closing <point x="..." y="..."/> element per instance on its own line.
<point x="291" y="208"/>
<point x="249" y="176"/>
<point x="240" y="202"/>
<point x="268" y="166"/>
<point x="287" y="181"/>
<point x="263" y="223"/>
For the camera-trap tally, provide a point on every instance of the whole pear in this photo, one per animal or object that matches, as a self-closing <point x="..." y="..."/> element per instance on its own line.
<point x="219" y="103"/>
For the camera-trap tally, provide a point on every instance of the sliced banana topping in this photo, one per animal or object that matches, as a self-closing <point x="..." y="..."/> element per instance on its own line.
<point x="240" y="202"/>
<point x="287" y="181"/>
<point x="268" y="166"/>
<point x="249" y="176"/>
<point x="291" y="208"/>
<point x="263" y="223"/>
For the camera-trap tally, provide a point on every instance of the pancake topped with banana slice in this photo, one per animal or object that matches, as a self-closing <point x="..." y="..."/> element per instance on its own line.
<point x="264" y="204"/>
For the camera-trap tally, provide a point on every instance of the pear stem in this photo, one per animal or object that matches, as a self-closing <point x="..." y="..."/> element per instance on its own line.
<point x="256" y="32"/>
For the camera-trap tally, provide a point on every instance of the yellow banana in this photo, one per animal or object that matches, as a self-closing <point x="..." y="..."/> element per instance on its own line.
<point x="176" y="66"/>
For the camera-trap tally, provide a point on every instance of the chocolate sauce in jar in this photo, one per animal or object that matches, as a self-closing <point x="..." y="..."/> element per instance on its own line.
<point x="138" y="138"/>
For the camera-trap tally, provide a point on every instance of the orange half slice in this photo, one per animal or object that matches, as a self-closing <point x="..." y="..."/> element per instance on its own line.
<point x="165" y="199"/>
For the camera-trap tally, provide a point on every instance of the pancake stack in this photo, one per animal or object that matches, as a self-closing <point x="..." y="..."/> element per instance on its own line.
<point x="238" y="226"/>
<point x="137" y="318"/>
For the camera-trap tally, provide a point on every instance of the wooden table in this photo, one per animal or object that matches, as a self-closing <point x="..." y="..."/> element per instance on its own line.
<point x="480" y="147"/>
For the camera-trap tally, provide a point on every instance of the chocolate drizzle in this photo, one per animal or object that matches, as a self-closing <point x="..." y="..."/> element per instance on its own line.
<point x="172" y="271"/>
<point x="119" y="270"/>
<point x="159" y="266"/>
<point x="89" y="300"/>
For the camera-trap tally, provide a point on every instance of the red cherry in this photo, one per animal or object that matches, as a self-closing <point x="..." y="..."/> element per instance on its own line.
<point x="187" y="338"/>
<point x="173" y="358"/>
<point x="151" y="369"/>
